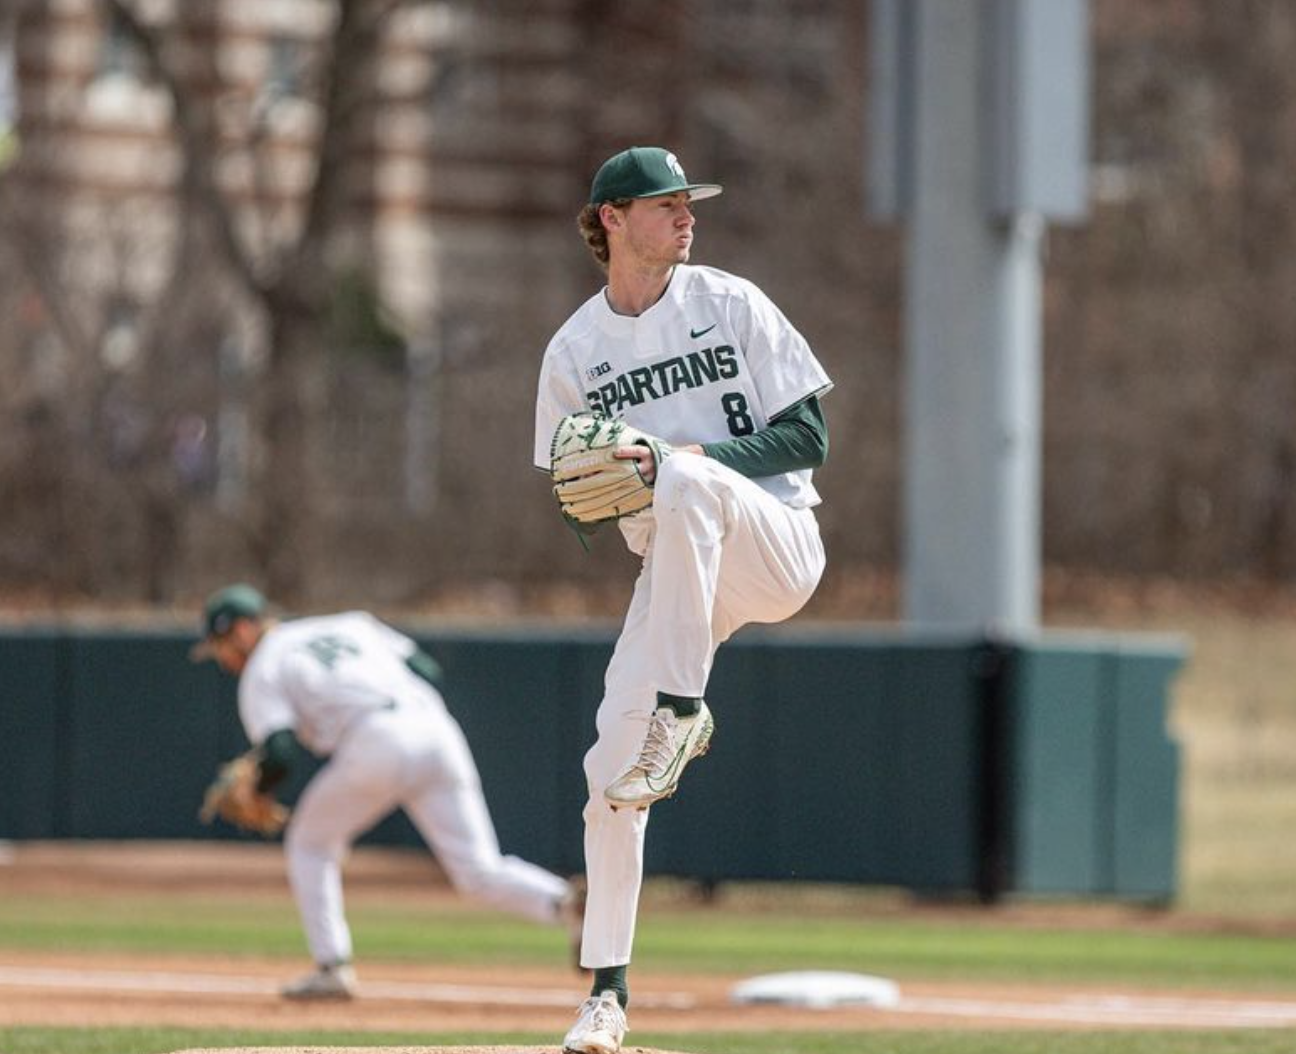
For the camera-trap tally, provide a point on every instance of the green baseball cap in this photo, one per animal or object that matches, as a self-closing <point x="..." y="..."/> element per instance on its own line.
<point x="645" y="172"/>
<point x="223" y="608"/>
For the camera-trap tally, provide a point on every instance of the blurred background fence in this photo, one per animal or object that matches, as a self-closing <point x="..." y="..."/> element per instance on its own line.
<point x="939" y="764"/>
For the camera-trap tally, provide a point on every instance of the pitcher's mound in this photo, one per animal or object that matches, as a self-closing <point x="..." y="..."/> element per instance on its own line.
<point x="409" y="1050"/>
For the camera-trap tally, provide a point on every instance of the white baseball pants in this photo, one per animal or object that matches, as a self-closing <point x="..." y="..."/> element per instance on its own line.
<point x="413" y="757"/>
<point x="724" y="552"/>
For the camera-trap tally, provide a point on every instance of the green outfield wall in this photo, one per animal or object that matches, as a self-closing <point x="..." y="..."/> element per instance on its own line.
<point x="947" y="766"/>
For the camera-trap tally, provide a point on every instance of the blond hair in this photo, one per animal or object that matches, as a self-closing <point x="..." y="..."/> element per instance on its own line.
<point x="593" y="231"/>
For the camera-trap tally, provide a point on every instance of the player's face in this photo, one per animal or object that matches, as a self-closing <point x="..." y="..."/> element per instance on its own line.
<point x="229" y="657"/>
<point x="659" y="231"/>
<point x="231" y="651"/>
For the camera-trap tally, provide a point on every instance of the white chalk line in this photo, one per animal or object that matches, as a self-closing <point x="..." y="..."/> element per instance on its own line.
<point x="225" y="984"/>
<point x="1111" y="1010"/>
<point x="1115" y="1010"/>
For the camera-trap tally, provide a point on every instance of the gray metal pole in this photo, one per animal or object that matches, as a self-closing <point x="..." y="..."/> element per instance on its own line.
<point x="972" y="386"/>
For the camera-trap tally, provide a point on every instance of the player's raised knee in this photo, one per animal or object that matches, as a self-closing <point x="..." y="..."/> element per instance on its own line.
<point x="683" y="471"/>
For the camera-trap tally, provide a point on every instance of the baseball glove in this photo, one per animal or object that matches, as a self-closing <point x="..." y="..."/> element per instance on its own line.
<point x="234" y="797"/>
<point x="591" y="484"/>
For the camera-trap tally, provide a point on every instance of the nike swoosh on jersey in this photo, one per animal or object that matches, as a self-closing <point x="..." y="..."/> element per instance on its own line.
<point x="695" y="333"/>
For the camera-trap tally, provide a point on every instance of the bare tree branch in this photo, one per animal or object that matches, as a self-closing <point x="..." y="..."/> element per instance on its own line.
<point x="39" y="266"/>
<point x="347" y="77"/>
<point x="195" y="143"/>
<point x="287" y="280"/>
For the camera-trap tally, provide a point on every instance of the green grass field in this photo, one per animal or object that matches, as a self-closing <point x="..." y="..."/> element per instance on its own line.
<point x="687" y="941"/>
<point x="160" y="1041"/>
<point x="763" y="931"/>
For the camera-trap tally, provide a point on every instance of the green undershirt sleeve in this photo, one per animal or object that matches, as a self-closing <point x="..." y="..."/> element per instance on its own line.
<point x="278" y="753"/>
<point x="796" y="439"/>
<point x="422" y="664"/>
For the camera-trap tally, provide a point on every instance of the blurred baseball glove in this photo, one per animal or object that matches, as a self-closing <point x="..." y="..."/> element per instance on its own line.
<point x="593" y="486"/>
<point x="234" y="797"/>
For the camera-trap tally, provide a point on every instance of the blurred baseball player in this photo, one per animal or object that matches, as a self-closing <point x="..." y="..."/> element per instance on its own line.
<point x="352" y="689"/>
<point x="704" y="361"/>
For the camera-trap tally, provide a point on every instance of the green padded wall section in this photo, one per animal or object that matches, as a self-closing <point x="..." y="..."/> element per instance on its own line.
<point x="943" y="765"/>
<point x="34" y="710"/>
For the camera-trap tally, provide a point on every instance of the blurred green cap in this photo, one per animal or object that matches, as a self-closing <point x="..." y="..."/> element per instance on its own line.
<point x="223" y="608"/>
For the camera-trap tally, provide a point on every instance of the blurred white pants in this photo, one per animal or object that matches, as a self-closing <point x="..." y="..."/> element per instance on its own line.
<point x="723" y="553"/>
<point x="412" y="757"/>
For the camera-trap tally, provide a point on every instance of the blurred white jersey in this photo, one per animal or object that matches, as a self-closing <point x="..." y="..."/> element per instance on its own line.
<point x="318" y="676"/>
<point x="340" y="683"/>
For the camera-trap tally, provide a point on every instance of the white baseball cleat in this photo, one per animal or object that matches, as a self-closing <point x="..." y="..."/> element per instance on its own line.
<point x="334" y="981"/>
<point x="600" y="1027"/>
<point x="671" y="743"/>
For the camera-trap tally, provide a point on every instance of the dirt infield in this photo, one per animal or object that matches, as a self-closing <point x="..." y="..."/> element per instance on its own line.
<point x="72" y="987"/>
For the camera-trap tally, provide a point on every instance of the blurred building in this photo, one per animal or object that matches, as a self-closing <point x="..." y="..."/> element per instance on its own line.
<point x="135" y="344"/>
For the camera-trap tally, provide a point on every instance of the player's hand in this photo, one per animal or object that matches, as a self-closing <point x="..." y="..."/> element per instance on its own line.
<point x="644" y="457"/>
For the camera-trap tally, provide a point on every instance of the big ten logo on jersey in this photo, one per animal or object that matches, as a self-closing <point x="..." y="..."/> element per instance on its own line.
<point x="595" y="372"/>
<point x="328" y="649"/>
<point x="663" y="378"/>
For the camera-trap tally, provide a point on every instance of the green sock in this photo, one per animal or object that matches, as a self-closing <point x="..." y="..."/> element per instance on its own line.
<point x="611" y="979"/>
<point x="683" y="705"/>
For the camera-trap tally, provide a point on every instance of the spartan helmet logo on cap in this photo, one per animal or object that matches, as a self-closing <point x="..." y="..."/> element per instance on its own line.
<point x="645" y="172"/>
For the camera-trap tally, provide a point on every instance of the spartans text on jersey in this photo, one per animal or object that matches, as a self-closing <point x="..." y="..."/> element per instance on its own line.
<point x="665" y="377"/>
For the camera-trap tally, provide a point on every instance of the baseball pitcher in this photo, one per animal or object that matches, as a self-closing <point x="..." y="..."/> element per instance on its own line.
<point x="679" y="403"/>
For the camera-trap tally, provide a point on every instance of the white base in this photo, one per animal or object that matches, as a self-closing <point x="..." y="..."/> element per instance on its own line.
<point x="817" y="989"/>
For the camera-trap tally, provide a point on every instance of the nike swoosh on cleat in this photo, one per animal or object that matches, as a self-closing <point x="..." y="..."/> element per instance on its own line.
<point x="695" y="333"/>
<point x="668" y="774"/>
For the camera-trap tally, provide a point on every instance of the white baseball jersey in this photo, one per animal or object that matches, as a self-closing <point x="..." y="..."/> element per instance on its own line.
<point x="713" y="359"/>
<point x="316" y="676"/>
